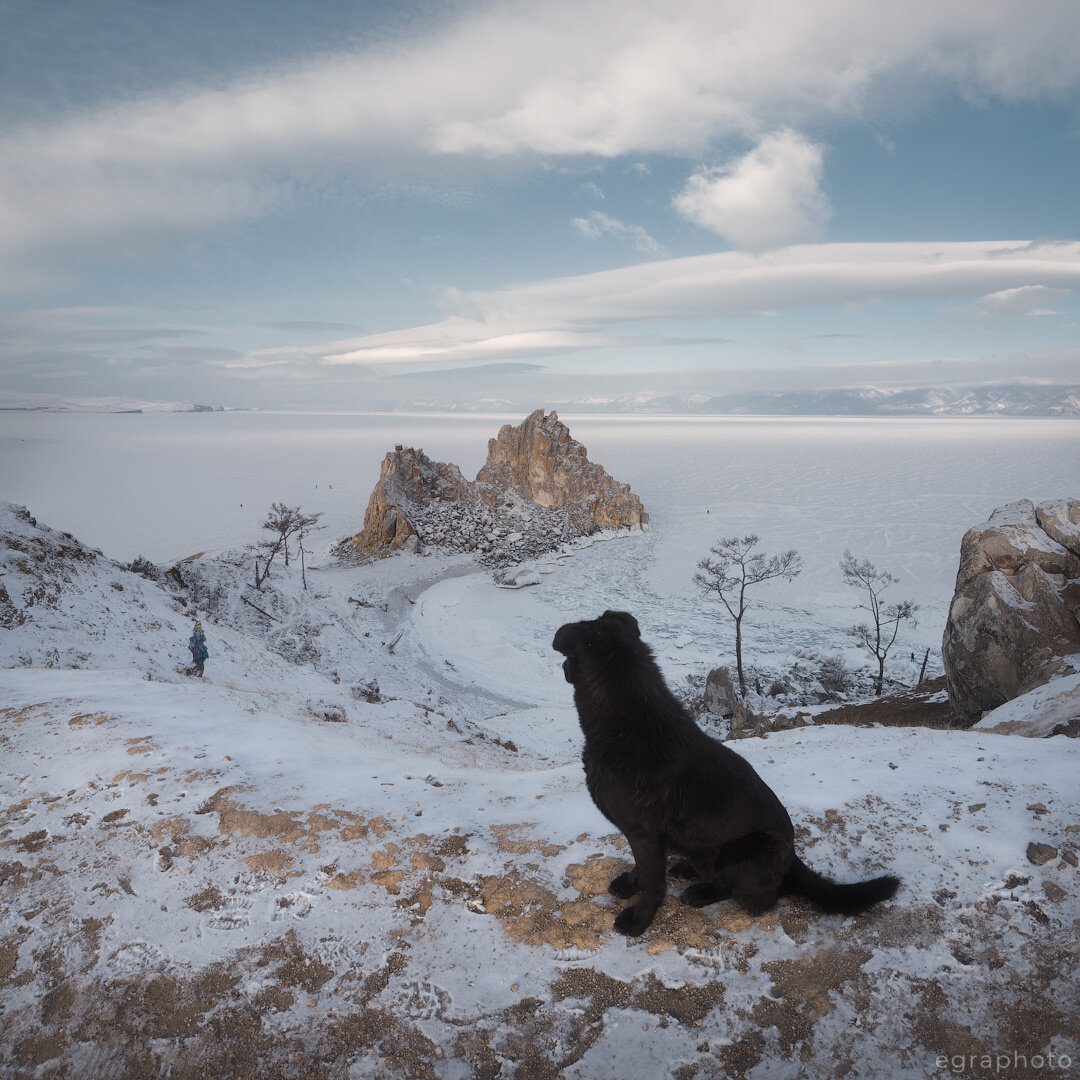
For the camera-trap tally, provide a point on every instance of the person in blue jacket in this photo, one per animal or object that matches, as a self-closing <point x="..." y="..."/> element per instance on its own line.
<point x="197" y="645"/>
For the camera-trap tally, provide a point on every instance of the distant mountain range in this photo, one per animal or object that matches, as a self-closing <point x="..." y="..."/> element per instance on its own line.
<point x="1000" y="400"/>
<point x="1013" y="399"/>
<point x="11" y="401"/>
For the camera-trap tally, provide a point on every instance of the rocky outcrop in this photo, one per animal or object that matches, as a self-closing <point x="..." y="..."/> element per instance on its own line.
<point x="542" y="462"/>
<point x="536" y="490"/>
<point x="408" y="479"/>
<point x="1013" y="622"/>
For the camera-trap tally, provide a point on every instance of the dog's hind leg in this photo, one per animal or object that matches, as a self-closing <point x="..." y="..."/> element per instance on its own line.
<point x="749" y="870"/>
<point x="626" y="884"/>
<point x="702" y="893"/>
<point x="649" y="856"/>
<point x="756" y="879"/>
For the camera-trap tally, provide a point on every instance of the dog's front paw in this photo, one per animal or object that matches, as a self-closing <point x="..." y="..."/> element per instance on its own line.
<point x="625" y="885"/>
<point x="682" y="868"/>
<point x="630" y="923"/>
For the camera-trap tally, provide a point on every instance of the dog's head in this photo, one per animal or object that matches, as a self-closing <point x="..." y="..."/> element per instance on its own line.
<point x="594" y="639"/>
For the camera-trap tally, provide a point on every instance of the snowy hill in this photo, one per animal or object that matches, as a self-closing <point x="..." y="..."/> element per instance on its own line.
<point x="13" y="401"/>
<point x="994" y="400"/>
<point x="361" y="846"/>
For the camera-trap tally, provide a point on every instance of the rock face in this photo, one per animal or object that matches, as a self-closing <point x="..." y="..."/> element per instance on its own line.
<point x="536" y="490"/>
<point x="407" y="478"/>
<point x="720" y="696"/>
<point x="1013" y="623"/>
<point x="542" y="462"/>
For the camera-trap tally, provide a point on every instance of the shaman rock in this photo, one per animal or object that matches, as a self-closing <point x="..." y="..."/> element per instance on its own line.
<point x="542" y="462"/>
<point x="536" y="491"/>
<point x="407" y="479"/>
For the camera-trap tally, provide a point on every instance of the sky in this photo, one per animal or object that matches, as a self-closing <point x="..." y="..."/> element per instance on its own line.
<point x="506" y="205"/>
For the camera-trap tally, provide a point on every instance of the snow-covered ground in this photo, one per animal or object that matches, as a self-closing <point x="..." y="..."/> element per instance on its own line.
<point x="361" y="846"/>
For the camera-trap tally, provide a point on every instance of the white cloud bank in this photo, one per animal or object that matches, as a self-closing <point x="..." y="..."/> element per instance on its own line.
<point x="567" y="77"/>
<point x="584" y="311"/>
<point x="768" y="197"/>
<point x="1021" y="301"/>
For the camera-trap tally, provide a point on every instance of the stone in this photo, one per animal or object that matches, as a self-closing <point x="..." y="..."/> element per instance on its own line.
<point x="517" y="578"/>
<point x="543" y="463"/>
<point x="1054" y="892"/>
<point x="720" y="698"/>
<point x="743" y="721"/>
<point x="407" y="478"/>
<point x="1060" y="520"/>
<point x="536" y="490"/>
<point x="1012" y="538"/>
<point x="1037" y="854"/>
<point x="1012" y="624"/>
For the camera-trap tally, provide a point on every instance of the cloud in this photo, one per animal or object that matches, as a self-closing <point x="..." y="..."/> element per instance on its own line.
<point x="1018" y="302"/>
<point x="309" y="326"/>
<point x="599" y="78"/>
<point x="109" y="336"/>
<point x="585" y="311"/>
<point x="480" y="372"/>
<point x="598" y="224"/>
<point x="768" y="197"/>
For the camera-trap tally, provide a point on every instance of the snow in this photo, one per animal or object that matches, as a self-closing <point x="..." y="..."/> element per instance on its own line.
<point x="426" y="852"/>
<point x="1039" y="711"/>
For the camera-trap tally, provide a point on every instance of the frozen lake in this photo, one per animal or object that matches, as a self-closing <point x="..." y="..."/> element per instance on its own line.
<point x="901" y="492"/>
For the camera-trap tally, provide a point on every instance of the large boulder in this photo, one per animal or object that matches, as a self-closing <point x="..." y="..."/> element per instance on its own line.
<point x="720" y="696"/>
<point x="1013" y="622"/>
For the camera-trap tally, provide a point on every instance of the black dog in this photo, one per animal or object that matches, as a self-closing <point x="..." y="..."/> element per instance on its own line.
<point x="668" y="786"/>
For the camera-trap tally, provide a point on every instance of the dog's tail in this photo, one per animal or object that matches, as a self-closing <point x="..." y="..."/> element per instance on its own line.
<point x="834" y="898"/>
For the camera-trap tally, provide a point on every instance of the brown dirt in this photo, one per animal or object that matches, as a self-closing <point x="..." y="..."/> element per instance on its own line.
<point x="907" y="709"/>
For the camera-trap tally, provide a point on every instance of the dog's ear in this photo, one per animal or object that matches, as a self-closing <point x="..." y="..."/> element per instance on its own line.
<point x="624" y="619"/>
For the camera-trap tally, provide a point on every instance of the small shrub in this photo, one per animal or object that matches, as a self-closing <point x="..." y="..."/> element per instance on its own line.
<point x="834" y="675"/>
<point x="142" y="565"/>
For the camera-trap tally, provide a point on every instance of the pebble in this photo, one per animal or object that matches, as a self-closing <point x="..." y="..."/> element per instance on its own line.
<point x="1040" y="853"/>
<point x="1054" y="892"/>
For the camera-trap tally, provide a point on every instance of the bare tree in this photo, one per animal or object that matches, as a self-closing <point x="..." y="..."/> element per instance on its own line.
<point x="266" y="549"/>
<point x="287" y="521"/>
<point x="877" y="636"/>
<point x="732" y="569"/>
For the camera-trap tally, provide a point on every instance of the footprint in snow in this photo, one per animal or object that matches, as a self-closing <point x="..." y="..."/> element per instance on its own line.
<point x="423" y="1000"/>
<point x="137" y="958"/>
